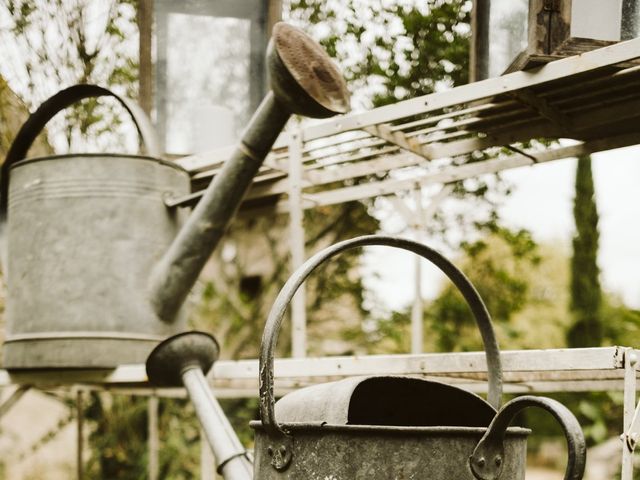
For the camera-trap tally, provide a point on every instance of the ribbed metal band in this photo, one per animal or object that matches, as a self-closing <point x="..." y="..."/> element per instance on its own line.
<point x="26" y="337"/>
<point x="224" y="462"/>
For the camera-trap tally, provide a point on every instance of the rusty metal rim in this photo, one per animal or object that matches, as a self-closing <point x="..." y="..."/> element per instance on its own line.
<point x="99" y="155"/>
<point x="399" y="430"/>
<point x="291" y="43"/>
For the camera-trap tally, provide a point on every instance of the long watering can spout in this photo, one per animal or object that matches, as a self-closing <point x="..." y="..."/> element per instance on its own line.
<point x="184" y="360"/>
<point x="304" y="81"/>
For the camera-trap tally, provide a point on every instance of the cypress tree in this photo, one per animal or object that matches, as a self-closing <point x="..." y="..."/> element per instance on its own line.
<point x="586" y="294"/>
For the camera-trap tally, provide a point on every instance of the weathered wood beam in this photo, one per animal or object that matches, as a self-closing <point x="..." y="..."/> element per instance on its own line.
<point x="385" y="132"/>
<point x="545" y="109"/>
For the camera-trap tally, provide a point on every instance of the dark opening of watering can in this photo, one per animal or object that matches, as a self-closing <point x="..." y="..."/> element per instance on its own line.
<point x="385" y="400"/>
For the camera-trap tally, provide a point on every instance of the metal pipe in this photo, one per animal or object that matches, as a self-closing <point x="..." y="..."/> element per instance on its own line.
<point x="231" y="456"/>
<point x="178" y="270"/>
<point x="13" y="399"/>
<point x="304" y="81"/>
<point x="207" y="460"/>
<point x="296" y="246"/>
<point x="183" y="360"/>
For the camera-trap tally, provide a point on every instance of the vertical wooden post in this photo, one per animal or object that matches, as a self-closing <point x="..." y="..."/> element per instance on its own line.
<point x="296" y="237"/>
<point x="274" y="13"/>
<point x="154" y="442"/>
<point x="80" y="434"/>
<point x="145" y="74"/>
<point x="549" y="25"/>
<point x="479" y="50"/>
<point x="417" y="333"/>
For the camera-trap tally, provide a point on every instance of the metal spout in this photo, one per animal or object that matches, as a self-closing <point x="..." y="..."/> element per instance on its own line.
<point x="304" y="81"/>
<point x="183" y="360"/>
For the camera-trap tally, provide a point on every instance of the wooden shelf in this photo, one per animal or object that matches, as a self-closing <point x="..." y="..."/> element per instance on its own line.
<point x="559" y="370"/>
<point x="593" y="99"/>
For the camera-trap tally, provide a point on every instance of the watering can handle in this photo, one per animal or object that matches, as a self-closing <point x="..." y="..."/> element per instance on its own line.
<point x="487" y="459"/>
<point x="61" y="100"/>
<point x="274" y="321"/>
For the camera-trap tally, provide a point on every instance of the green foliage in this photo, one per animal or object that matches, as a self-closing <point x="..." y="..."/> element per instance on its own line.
<point x="586" y="295"/>
<point x="120" y="435"/>
<point x="496" y="265"/>
<point x="503" y="265"/>
<point x="435" y="52"/>
<point x="53" y="44"/>
<point x="621" y="325"/>
<point x="392" y="50"/>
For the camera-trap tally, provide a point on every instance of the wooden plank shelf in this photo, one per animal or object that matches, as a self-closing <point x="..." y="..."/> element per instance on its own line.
<point x="554" y="370"/>
<point x="592" y="99"/>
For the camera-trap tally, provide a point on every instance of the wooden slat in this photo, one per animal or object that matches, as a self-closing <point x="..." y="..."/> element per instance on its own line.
<point x="522" y="369"/>
<point x="457" y="173"/>
<point x="397" y="137"/>
<point x="568" y="91"/>
<point x="588" y="62"/>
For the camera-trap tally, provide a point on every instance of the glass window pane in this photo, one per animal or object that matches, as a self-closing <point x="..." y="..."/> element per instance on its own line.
<point x="207" y="81"/>
<point x="508" y="32"/>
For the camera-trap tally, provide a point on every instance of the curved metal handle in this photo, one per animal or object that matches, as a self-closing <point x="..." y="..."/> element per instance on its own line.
<point x="281" y="456"/>
<point x="487" y="459"/>
<point x="61" y="100"/>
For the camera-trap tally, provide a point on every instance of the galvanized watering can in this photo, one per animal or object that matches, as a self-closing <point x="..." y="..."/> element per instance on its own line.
<point x="377" y="427"/>
<point x="97" y="255"/>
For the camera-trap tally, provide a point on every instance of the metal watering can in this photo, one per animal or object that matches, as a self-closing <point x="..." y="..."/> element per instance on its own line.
<point x="377" y="427"/>
<point x="97" y="261"/>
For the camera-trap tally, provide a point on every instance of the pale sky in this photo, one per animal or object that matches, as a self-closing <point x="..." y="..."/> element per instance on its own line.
<point x="542" y="202"/>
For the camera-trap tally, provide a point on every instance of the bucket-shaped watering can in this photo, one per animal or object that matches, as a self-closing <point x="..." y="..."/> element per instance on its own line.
<point x="381" y="428"/>
<point x="98" y="254"/>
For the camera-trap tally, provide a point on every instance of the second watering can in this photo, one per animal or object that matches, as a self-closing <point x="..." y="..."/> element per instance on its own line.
<point x="97" y="258"/>
<point x="388" y="427"/>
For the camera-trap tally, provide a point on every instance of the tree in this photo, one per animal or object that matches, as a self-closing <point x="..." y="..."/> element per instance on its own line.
<point x="501" y="265"/>
<point x="586" y="294"/>
<point x="56" y="43"/>
<point x="392" y="51"/>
